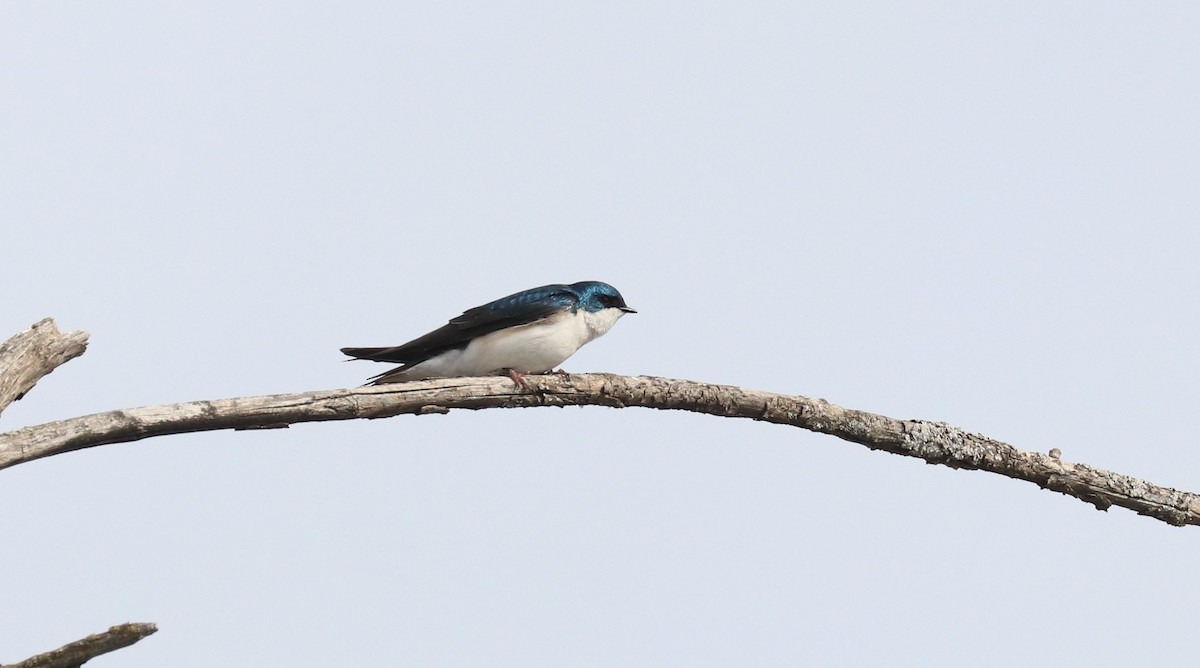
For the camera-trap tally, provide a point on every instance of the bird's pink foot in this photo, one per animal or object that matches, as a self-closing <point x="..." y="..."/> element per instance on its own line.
<point x="519" y="378"/>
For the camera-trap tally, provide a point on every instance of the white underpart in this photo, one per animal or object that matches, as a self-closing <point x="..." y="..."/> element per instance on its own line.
<point x="534" y="348"/>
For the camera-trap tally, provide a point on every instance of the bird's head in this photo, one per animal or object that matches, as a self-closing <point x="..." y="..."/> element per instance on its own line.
<point x="595" y="296"/>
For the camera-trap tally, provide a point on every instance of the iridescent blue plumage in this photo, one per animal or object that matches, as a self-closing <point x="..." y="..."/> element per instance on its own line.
<point x="522" y="332"/>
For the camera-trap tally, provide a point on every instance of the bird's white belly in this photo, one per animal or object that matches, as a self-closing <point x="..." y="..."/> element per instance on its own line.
<point x="534" y="348"/>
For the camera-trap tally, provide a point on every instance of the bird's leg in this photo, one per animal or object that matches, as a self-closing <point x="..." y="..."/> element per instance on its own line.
<point x="519" y="378"/>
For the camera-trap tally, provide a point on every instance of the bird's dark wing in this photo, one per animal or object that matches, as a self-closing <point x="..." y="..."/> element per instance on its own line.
<point x="517" y="309"/>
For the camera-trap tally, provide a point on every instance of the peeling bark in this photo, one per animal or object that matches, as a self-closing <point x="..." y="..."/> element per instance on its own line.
<point x="27" y="357"/>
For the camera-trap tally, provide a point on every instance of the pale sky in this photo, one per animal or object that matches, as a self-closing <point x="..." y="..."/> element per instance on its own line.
<point x="984" y="215"/>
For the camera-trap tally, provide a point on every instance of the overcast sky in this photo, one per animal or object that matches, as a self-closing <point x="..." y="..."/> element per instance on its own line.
<point x="987" y="215"/>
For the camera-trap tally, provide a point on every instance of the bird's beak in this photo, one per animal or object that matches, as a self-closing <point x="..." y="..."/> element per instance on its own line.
<point x="627" y="309"/>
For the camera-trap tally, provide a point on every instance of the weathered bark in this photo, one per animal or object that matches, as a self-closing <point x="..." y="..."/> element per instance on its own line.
<point x="934" y="442"/>
<point x="35" y="352"/>
<point x="32" y="354"/>
<point x="73" y="655"/>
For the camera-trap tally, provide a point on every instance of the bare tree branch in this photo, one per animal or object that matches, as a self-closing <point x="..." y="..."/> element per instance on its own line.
<point x="33" y="353"/>
<point x="934" y="442"/>
<point x="73" y="655"/>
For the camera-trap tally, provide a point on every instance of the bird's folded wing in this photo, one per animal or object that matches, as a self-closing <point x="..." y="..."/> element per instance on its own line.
<point x="521" y="308"/>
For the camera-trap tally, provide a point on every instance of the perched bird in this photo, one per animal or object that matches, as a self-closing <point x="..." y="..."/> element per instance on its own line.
<point x="531" y="331"/>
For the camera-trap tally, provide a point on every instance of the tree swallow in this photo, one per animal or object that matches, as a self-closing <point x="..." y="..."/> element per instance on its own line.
<point x="531" y="331"/>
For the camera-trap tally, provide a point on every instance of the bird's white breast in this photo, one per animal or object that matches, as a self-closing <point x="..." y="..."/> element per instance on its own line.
<point x="534" y="348"/>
